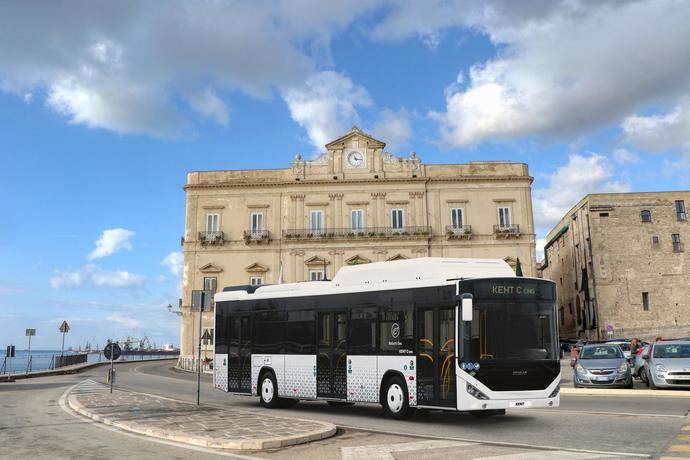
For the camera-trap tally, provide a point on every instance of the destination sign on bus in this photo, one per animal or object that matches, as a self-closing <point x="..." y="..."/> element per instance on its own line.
<point x="511" y="289"/>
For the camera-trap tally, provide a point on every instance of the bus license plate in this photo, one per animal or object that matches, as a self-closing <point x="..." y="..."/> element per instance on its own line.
<point x="520" y="404"/>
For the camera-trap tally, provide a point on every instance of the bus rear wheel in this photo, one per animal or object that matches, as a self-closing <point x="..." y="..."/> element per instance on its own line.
<point x="268" y="390"/>
<point x="396" y="402"/>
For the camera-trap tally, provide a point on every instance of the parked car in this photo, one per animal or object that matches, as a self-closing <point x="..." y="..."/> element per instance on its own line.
<point x="625" y="346"/>
<point x="667" y="365"/>
<point x="602" y="365"/>
<point x="638" y="362"/>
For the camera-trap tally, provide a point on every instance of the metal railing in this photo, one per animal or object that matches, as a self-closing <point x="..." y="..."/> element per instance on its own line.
<point x="211" y="237"/>
<point x="418" y="232"/>
<point x="507" y="230"/>
<point x="458" y="231"/>
<point x="257" y="236"/>
<point x="68" y="360"/>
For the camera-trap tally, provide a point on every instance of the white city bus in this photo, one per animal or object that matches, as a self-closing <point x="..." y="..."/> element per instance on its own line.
<point x="427" y="333"/>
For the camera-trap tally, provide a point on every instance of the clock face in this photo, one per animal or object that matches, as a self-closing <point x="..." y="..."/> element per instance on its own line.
<point x="355" y="159"/>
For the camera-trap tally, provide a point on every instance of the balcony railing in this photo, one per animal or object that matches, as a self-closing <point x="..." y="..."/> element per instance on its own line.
<point x="507" y="231"/>
<point x="256" y="236"/>
<point x="420" y="232"/>
<point x="211" y="237"/>
<point x="459" y="232"/>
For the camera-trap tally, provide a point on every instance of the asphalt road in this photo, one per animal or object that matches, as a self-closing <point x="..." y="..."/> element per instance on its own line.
<point x="34" y="424"/>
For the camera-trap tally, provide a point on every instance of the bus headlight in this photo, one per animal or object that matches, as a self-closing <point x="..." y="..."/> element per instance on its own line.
<point x="471" y="389"/>
<point x="555" y="391"/>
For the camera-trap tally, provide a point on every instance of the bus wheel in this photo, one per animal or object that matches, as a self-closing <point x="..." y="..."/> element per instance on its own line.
<point x="269" y="390"/>
<point x="396" y="402"/>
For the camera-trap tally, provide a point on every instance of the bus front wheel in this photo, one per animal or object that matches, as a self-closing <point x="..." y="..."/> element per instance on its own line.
<point x="396" y="402"/>
<point x="268" y="395"/>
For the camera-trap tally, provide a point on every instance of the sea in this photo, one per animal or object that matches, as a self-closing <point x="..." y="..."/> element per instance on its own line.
<point x="41" y="360"/>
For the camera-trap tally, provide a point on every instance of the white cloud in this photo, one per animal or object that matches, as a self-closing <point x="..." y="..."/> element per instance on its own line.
<point x="111" y="241"/>
<point x="67" y="280"/>
<point x="541" y="242"/>
<point x="125" y="66"/>
<point x="560" y="65"/>
<point x="326" y="105"/>
<point x="570" y="183"/>
<point x="208" y="104"/>
<point x="174" y="262"/>
<point x="624" y="156"/>
<point x="91" y="275"/>
<point x="124" y="321"/>
<point x="393" y="128"/>
<point x="660" y="133"/>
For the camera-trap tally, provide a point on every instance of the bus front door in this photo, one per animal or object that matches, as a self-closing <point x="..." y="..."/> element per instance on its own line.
<point x="436" y="357"/>
<point x="331" y="361"/>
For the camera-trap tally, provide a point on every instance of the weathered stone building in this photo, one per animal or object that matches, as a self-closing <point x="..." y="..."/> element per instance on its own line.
<point x="621" y="267"/>
<point x="354" y="204"/>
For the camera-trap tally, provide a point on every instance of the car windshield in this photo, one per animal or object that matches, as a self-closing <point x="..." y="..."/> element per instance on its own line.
<point x="672" y="351"/>
<point x="601" y="352"/>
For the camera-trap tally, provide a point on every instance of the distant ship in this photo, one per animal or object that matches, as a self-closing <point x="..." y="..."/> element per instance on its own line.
<point x="168" y="347"/>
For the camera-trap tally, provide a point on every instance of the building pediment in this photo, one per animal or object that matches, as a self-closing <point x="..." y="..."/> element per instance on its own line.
<point x="210" y="268"/>
<point x="357" y="260"/>
<point x="316" y="261"/>
<point x="397" y="257"/>
<point x="256" y="267"/>
<point x="360" y="135"/>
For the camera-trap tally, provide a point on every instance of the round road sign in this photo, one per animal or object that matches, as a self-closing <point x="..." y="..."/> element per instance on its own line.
<point x="112" y="349"/>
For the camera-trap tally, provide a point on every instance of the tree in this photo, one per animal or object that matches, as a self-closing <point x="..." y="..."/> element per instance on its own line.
<point x="518" y="268"/>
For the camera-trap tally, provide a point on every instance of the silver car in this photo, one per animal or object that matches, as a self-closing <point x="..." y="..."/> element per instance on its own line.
<point x="602" y="365"/>
<point x="667" y="365"/>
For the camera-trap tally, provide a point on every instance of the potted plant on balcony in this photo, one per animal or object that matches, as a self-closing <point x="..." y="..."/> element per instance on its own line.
<point x="450" y="233"/>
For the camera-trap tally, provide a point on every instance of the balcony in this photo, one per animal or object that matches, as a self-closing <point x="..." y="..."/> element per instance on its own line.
<point x="507" y="231"/>
<point x="461" y="232"/>
<point x="257" y="236"/>
<point x="211" y="238"/>
<point x="369" y="233"/>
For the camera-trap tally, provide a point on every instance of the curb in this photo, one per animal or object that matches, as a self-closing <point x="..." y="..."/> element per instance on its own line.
<point x="328" y="430"/>
<point x="625" y="392"/>
<point x="72" y="369"/>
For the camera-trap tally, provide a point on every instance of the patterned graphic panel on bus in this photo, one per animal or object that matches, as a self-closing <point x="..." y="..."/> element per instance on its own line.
<point x="362" y="382"/>
<point x="300" y="376"/>
<point x="220" y="372"/>
<point x="274" y="362"/>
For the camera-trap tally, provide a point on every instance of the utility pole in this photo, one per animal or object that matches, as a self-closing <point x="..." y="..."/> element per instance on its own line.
<point x="198" y="370"/>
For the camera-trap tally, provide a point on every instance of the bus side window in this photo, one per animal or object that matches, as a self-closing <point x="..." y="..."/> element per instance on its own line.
<point x="362" y="331"/>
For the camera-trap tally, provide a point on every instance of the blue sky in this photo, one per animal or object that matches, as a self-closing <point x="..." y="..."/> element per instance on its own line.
<point x="104" y="108"/>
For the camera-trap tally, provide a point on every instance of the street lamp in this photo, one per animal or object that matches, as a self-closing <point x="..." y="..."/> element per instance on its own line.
<point x="178" y="313"/>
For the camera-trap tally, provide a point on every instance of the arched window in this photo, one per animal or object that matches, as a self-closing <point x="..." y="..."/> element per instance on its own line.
<point x="646" y="216"/>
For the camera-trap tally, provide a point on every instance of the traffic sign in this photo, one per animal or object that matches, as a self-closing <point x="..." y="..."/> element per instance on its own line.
<point x="112" y="351"/>
<point x="30" y="332"/>
<point x="64" y="327"/>
<point x="206" y="337"/>
<point x="10" y="351"/>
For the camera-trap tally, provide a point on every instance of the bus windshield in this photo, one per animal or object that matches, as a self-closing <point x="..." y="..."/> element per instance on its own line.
<point x="516" y="323"/>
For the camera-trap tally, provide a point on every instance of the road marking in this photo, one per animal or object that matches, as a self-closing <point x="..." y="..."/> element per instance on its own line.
<point x="679" y="448"/>
<point x="561" y="454"/>
<point x="618" y="414"/>
<point x="683" y="437"/>
<point x="385" y="451"/>
<point x="686" y="428"/>
<point x="497" y="443"/>
<point x="63" y="404"/>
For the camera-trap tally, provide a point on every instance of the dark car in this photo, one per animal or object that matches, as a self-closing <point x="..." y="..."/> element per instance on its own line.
<point x="602" y="365"/>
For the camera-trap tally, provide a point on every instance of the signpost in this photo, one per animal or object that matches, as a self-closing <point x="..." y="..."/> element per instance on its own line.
<point x="609" y="330"/>
<point x="29" y="333"/>
<point x="112" y="352"/>
<point x="201" y="300"/>
<point x="64" y="328"/>
<point x="9" y="354"/>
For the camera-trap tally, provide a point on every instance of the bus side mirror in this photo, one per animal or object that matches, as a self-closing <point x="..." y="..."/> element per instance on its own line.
<point x="467" y="307"/>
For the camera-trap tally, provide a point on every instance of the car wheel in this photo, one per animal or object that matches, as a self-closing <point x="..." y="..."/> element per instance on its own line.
<point x="268" y="390"/>
<point x="396" y="402"/>
<point x="643" y="375"/>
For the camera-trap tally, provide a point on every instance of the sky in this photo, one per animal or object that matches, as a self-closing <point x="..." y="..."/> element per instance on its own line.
<point x="105" y="106"/>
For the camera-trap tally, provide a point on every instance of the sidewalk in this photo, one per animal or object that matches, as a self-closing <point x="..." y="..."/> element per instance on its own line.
<point x="224" y="428"/>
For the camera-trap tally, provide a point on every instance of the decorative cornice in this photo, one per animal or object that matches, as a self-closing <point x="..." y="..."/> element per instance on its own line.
<point x="256" y="268"/>
<point x="317" y="203"/>
<point x="213" y="206"/>
<point x="504" y="200"/>
<point x="258" y="206"/>
<point x="416" y="194"/>
<point x="356" y="203"/>
<point x="458" y="201"/>
<point x="336" y="196"/>
<point x="378" y="182"/>
<point x="397" y="202"/>
<point x="298" y="196"/>
<point x="375" y="195"/>
<point x="297" y="252"/>
<point x="210" y="268"/>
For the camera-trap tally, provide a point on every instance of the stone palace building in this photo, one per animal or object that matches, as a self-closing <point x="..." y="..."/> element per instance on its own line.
<point x="354" y="204"/>
<point x="620" y="264"/>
